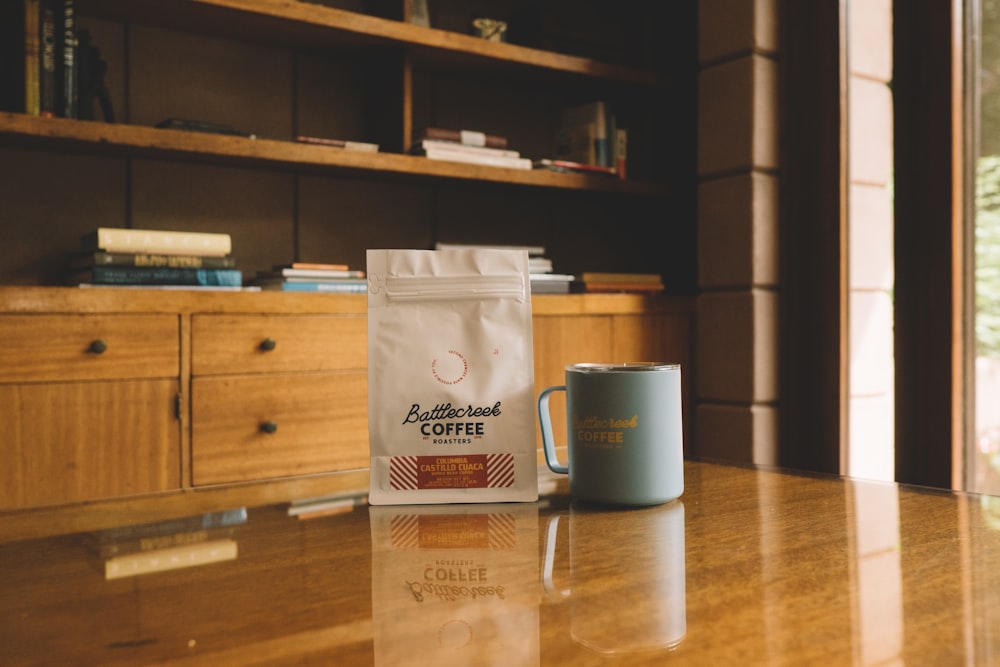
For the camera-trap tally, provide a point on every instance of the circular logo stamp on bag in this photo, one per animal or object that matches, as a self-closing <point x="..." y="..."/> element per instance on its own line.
<point x="450" y="369"/>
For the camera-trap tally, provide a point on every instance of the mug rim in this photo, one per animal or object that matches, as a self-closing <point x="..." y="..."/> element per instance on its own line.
<point x="628" y="366"/>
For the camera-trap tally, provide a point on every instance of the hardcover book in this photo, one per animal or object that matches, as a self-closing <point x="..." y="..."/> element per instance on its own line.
<point x="89" y="259"/>
<point x="48" y="39"/>
<point x="121" y="535"/>
<point x="67" y="79"/>
<point x="617" y="286"/>
<point x="468" y="137"/>
<point x="312" y="273"/>
<point x="172" y="558"/>
<point x="345" y="286"/>
<point x="532" y="250"/>
<point x="421" y="147"/>
<point x="584" y="134"/>
<point x="364" y="146"/>
<point x="619" y="277"/>
<point x="568" y="166"/>
<point x="312" y="265"/>
<point x="165" y="242"/>
<point x="32" y="57"/>
<point x="449" y="155"/>
<point x="121" y="275"/>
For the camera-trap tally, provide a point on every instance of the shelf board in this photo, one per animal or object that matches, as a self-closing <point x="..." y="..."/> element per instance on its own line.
<point x="304" y="24"/>
<point x="100" y="138"/>
<point x="35" y="298"/>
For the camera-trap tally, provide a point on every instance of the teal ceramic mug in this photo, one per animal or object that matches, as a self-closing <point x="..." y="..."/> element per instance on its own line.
<point x="625" y="436"/>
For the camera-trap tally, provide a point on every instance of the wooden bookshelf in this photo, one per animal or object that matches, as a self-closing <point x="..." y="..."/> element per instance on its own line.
<point x="278" y="69"/>
<point x="99" y="138"/>
<point x="308" y="24"/>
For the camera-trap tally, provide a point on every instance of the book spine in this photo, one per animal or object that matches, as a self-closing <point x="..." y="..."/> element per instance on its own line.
<point x="534" y="251"/>
<point x="47" y="76"/>
<point x="622" y="287"/>
<point x="209" y="520"/>
<point x="576" y="144"/>
<point x="113" y="275"/>
<point x="68" y="74"/>
<point x="116" y="239"/>
<point x="359" y="287"/>
<point x="173" y="558"/>
<point x="441" y="144"/>
<point x="150" y="543"/>
<point x="322" y="273"/>
<point x="604" y="277"/>
<point x="156" y="261"/>
<point x="621" y="152"/>
<point x="313" y="265"/>
<point x="32" y="57"/>
<point x="468" y="137"/>
<point x="567" y="166"/>
<point x="472" y="158"/>
<point x="363" y="146"/>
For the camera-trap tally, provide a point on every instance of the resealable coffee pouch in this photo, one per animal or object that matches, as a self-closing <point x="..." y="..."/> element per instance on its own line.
<point x="450" y="377"/>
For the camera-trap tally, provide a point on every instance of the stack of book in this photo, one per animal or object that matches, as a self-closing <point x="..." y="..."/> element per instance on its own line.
<point x="163" y="258"/>
<point x="142" y="549"/>
<point x="594" y="281"/>
<point x="589" y="140"/>
<point x="346" y="144"/>
<point x="312" y="277"/>
<point x="437" y="143"/>
<point x="543" y="279"/>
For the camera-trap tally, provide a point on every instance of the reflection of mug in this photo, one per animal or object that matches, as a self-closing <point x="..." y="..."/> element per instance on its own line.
<point x="626" y="442"/>
<point x="623" y="598"/>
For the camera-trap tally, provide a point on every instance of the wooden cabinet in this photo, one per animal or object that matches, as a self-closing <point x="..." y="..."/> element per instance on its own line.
<point x="198" y="389"/>
<point x="89" y="406"/>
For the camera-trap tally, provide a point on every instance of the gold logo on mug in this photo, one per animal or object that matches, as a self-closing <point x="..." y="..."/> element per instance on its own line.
<point x="599" y="433"/>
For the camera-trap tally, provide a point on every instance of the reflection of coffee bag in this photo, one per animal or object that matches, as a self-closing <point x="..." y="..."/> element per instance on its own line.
<point x="450" y="377"/>
<point x="455" y="585"/>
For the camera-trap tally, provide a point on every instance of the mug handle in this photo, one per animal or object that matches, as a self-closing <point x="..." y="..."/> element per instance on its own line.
<point x="545" y="419"/>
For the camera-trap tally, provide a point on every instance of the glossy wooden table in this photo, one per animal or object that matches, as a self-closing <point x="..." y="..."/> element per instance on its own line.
<point x="749" y="567"/>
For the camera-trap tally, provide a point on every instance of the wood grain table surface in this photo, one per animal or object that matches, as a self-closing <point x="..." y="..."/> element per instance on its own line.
<point x="749" y="567"/>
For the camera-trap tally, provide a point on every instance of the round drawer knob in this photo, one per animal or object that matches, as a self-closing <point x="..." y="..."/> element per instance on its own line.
<point x="269" y="427"/>
<point x="97" y="346"/>
<point x="268" y="344"/>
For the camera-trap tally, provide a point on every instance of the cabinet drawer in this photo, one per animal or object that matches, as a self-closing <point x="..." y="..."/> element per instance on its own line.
<point x="40" y="348"/>
<point x="280" y="343"/>
<point x="320" y="420"/>
<point x="77" y="441"/>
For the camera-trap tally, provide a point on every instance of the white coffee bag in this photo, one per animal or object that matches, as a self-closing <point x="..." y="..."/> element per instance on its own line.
<point x="450" y="377"/>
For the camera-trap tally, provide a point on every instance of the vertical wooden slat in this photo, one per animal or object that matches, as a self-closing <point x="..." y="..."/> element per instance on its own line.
<point x="813" y="322"/>
<point x="928" y="268"/>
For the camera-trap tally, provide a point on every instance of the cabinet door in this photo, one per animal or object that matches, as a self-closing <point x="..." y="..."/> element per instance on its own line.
<point x="257" y="427"/>
<point x="77" y="441"/>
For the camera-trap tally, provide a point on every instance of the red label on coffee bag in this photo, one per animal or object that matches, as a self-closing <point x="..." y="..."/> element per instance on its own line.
<point x="467" y="471"/>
